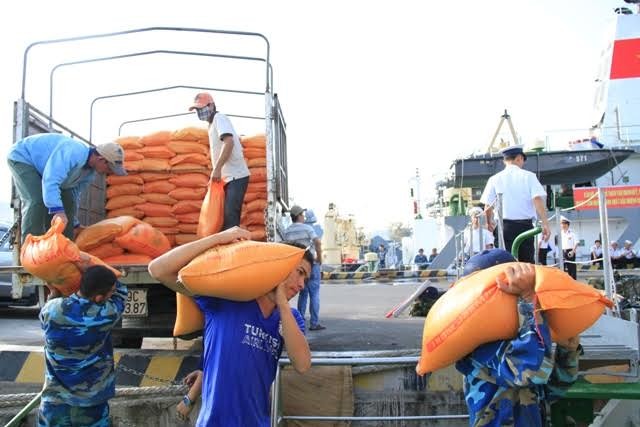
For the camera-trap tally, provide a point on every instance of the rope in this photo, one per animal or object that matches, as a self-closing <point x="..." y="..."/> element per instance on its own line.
<point x="8" y="400"/>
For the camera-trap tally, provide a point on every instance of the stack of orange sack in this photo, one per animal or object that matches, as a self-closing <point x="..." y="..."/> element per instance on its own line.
<point x="167" y="181"/>
<point x="123" y="240"/>
<point x="255" y="199"/>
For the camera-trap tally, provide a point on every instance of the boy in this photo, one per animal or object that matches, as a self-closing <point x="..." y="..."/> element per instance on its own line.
<point x="242" y="340"/>
<point x="80" y="376"/>
<point x="510" y="382"/>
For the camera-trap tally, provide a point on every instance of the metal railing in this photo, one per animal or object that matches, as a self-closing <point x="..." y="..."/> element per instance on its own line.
<point x="277" y="418"/>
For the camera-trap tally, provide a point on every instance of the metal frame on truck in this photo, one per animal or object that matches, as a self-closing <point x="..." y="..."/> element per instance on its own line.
<point x="29" y="120"/>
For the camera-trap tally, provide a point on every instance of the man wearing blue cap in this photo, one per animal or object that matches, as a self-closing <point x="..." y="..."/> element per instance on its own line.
<point x="510" y="382"/>
<point x="522" y="198"/>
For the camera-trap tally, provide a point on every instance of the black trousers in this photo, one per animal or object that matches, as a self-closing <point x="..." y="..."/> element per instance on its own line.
<point x="233" y="197"/>
<point x="598" y="263"/>
<point x="542" y="256"/>
<point x="569" y="267"/>
<point x="513" y="228"/>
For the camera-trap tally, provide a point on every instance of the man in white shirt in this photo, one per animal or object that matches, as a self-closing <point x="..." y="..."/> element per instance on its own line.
<point x="596" y="252"/>
<point x="569" y="246"/>
<point x="523" y="197"/>
<point x="227" y="157"/>
<point x="616" y="255"/>
<point x="629" y="254"/>
<point x="478" y="234"/>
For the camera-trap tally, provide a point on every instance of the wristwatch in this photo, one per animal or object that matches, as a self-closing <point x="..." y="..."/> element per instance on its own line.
<point x="187" y="402"/>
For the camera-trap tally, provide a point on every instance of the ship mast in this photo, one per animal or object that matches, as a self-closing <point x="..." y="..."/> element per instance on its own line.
<point x="505" y="117"/>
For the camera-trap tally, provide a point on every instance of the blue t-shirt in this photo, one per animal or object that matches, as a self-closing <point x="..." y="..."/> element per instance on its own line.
<point x="241" y="352"/>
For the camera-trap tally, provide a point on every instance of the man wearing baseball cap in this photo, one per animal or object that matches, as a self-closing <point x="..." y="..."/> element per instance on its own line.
<point x="50" y="171"/>
<point x="227" y="158"/>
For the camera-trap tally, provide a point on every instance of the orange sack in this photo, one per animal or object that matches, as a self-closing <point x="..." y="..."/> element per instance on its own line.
<point x="51" y="257"/>
<point x="258" y="175"/>
<point x="182" y="147"/>
<point x="154" y="209"/>
<point x="106" y="250"/>
<point x="161" y="221"/>
<point x="249" y="197"/>
<point x="189" y="318"/>
<point x="123" y="190"/>
<point x="257" y="162"/>
<point x="156" y="138"/>
<point x="159" y="186"/>
<point x="257" y="187"/>
<point x="451" y="328"/>
<point x="251" y="218"/>
<point x="255" y="205"/>
<point x="119" y="202"/>
<point x="188" y="193"/>
<point x="125" y="212"/>
<point x="188" y="218"/>
<point x="104" y="231"/>
<point x="211" y="216"/>
<point x="144" y="239"/>
<point x="186" y="206"/>
<point x="133" y="165"/>
<point x="156" y="152"/>
<point x="154" y="176"/>
<point x="240" y="271"/>
<point x="132" y="155"/>
<point x="255" y="141"/>
<point x="154" y="164"/>
<point x="128" y="259"/>
<point x="197" y="158"/>
<point x="252" y="153"/>
<point x="129" y="142"/>
<point x="190" y="180"/>
<point x="187" y="228"/>
<point x="168" y="230"/>
<point x="190" y="134"/>
<point x="191" y="167"/>
<point x="127" y="179"/>
<point x="162" y="198"/>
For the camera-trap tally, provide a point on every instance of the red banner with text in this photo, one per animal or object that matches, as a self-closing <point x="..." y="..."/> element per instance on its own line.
<point x="622" y="196"/>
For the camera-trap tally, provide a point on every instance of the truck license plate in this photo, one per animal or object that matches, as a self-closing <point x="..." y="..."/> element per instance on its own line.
<point x="136" y="304"/>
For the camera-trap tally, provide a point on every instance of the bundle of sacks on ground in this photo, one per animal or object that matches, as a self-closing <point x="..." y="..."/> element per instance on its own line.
<point x="169" y="178"/>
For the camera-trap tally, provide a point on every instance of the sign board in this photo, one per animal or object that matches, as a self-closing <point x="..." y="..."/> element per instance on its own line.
<point x="621" y="196"/>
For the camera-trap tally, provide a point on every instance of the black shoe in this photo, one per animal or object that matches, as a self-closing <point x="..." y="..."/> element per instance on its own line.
<point x="317" y="327"/>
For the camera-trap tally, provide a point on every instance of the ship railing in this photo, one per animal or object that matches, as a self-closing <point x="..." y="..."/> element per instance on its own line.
<point x="345" y="359"/>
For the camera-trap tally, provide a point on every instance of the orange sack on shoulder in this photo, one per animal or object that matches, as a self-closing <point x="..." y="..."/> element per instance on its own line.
<point x="475" y="311"/>
<point x="144" y="239"/>
<point x="241" y="271"/>
<point x="189" y="318"/>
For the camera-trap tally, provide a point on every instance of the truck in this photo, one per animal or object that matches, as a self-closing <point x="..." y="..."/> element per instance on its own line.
<point x="150" y="309"/>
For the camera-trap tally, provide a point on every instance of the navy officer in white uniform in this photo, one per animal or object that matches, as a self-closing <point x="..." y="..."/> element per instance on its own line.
<point x="523" y="198"/>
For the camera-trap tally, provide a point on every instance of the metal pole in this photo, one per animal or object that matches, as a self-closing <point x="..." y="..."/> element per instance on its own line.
<point x="500" y="223"/>
<point x="604" y="230"/>
<point x="457" y="256"/>
<point x="470" y="239"/>
<point x="275" y="399"/>
<point x="481" y="245"/>
<point x="559" y="245"/>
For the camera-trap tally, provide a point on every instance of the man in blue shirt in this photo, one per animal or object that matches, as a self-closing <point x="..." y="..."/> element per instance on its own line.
<point x="80" y="376"/>
<point x="242" y="340"/>
<point x="50" y="171"/>
<point x="421" y="260"/>
<point x="510" y="382"/>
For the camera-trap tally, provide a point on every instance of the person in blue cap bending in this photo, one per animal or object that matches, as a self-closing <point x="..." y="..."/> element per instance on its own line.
<point x="511" y="382"/>
<point x="523" y="197"/>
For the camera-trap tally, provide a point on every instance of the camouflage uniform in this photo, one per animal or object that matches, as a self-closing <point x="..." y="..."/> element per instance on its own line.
<point x="80" y="375"/>
<point x="505" y="382"/>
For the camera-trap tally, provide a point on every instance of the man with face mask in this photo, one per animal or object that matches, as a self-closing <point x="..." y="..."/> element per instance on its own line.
<point x="227" y="159"/>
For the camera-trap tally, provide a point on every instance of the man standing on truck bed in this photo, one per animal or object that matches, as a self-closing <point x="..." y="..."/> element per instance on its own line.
<point x="50" y="171"/>
<point x="226" y="156"/>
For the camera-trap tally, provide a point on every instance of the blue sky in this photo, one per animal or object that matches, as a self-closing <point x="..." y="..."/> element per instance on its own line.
<point x="370" y="90"/>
